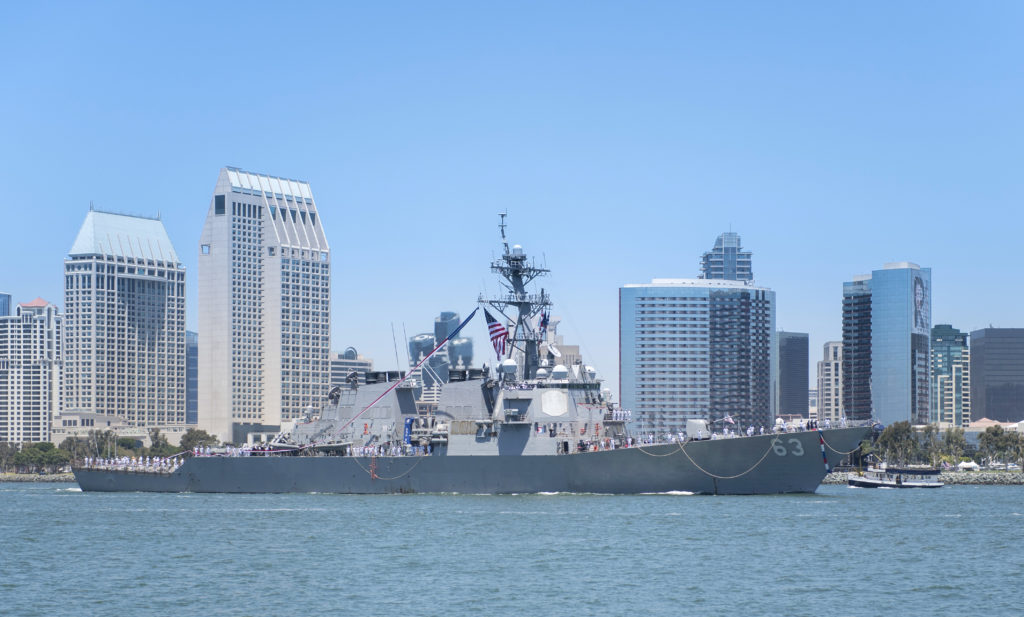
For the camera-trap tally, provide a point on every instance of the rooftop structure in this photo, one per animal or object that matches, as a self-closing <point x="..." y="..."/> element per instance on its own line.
<point x="727" y="260"/>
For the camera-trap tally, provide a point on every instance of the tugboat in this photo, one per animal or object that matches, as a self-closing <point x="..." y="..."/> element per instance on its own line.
<point x="539" y="423"/>
<point x="883" y="476"/>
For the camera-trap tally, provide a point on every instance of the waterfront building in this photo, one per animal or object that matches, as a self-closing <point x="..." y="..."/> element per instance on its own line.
<point x="5" y="305"/>
<point x="997" y="374"/>
<point x="191" y="377"/>
<point x="886" y="344"/>
<point x="264" y="305"/>
<point x="830" y="382"/>
<point x="697" y="349"/>
<point x="856" y="349"/>
<point x="793" y="378"/>
<point x="30" y="371"/>
<point x="950" y="376"/>
<point x="347" y="362"/>
<point x="124" y="321"/>
<point x="727" y="260"/>
<point x="812" y="403"/>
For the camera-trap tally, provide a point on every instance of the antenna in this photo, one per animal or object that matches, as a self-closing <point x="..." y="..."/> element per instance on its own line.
<point x="395" y="340"/>
<point x="502" y="227"/>
<point x="91" y="207"/>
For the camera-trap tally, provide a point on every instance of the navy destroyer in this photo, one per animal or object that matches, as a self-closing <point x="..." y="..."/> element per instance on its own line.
<point x="535" y="423"/>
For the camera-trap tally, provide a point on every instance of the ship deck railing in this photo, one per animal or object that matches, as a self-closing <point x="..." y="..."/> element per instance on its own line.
<point x="165" y="470"/>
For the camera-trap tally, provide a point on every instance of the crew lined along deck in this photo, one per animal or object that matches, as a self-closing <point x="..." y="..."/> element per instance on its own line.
<point x="171" y="464"/>
<point x="141" y="464"/>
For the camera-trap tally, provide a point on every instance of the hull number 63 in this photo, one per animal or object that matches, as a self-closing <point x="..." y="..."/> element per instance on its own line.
<point x="795" y="447"/>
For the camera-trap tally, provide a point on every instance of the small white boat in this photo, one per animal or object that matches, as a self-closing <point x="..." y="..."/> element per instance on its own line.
<point x="884" y="476"/>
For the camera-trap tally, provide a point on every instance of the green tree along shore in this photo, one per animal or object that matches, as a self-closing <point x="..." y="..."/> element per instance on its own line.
<point x="899" y="444"/>
<point x="46" y="458"/>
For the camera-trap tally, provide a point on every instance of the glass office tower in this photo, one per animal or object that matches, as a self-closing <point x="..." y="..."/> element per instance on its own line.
<point x="951" y="376"/>
<point x="793" y="378"/>
<point x="997" y="374"/>
<point x="886" y="344"/>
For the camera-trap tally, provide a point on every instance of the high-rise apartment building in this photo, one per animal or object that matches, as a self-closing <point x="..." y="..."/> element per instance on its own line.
<point x="793" y="378"/>
<point x="191" y="377"/>
<point x="856" y="349"/>
<point x="697" y="349"/>
<point x="264" y="305"/>
<point x="997" y="374"/>
<point x="886" y="342"/>
<point x="951" y="376"/>
<point x="830" y="382"/>
<point x="124" y="321"/>
<point x="30" y="371"/>
<point x="727" y="260"/>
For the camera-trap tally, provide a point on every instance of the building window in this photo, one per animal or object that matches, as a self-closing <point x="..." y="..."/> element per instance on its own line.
<point x="206" y="249"/>
<point x="218" y="204"/>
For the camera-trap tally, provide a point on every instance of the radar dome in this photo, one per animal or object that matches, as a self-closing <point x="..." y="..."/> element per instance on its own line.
<point x="509" y="366"/>
<point x="542" y="373"/>
<point x="560" y="372"/>
<point x="591" y="372"/>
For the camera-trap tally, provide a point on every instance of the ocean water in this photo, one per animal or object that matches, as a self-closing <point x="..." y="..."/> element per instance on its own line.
<point x="958" y="550"/>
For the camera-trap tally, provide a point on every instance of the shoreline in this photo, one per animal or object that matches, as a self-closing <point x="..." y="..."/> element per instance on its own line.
<point x="37" y="477"/>
<point x="1000" y="478"/>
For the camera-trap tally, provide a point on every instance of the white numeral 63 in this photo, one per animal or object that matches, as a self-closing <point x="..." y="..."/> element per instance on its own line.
<point x="796" y="447"/>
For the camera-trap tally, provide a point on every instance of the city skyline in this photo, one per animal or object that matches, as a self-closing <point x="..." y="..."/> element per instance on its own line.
<point x="417" y="131"/>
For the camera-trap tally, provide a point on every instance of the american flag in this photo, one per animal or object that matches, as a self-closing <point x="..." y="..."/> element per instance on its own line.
<point x="499" y="334"/>
<point x="544" y="323"/>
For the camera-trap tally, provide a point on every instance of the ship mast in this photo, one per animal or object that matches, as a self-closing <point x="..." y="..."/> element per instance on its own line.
<point x="516" y="273"/>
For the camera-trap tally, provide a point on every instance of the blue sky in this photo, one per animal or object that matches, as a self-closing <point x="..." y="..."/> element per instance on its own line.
<point x="622" y="138"/>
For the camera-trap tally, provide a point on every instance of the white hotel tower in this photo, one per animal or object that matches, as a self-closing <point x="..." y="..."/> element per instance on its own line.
<point x="264" y="305"/>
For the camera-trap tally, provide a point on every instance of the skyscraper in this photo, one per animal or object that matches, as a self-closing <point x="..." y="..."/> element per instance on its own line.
<point x="727" y="260"/>
<point x="191" y="377"/>
<point x="886" y="342"/>
<point x="997" y="374"/>
<point x="264" y="305"/>
<point x="5" y="305"/>
<point x="30" y="371"/>
<point x="830" y="382"/>
<point x="700" y="349"/>
<point x="793" y="379"/>
<point x="951" y="376"/>
<point x="124" y="321"/>
<point x="856" y="349"/>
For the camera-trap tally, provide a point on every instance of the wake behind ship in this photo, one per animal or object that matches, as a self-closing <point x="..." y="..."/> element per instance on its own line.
<point x="533" y="425"/>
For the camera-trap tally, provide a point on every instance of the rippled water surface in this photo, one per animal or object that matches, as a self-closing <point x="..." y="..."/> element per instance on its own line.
<point x="956" y="550"/>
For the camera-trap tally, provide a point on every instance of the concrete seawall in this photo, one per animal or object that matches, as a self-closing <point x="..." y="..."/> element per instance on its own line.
<point x="1002" y="478"/>
<point x="37" y="477"/>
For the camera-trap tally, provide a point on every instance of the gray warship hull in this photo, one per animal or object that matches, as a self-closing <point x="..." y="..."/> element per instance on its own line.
<point x="764" y="464"/>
